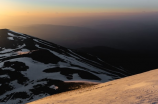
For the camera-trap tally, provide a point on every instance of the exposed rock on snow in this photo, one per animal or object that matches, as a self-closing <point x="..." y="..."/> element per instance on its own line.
<point x="29" y="67"/>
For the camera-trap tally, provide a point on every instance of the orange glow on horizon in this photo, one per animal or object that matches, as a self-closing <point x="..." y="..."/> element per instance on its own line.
<point x="25" y="17"/>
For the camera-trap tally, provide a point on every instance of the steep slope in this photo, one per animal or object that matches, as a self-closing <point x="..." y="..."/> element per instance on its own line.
<point x="137" y="89"/>
<point x="133" y="61"/>
<point x="31" y="68"/>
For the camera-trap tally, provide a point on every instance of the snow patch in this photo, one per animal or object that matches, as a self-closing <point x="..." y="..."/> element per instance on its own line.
<point x="11" y="69"/>
<point x="10" y="38"/>
<point x="53" y="87"/>
<point x="4" y="76"/>
<point x="16" y="32"/>
<point x="10" y="34"/>
<point x="63" y="64"/>
<point x="4" y="50"/>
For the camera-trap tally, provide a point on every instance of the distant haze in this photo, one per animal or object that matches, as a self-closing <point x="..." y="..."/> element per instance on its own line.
<point x="137" y="32"/>
<point x="66" y="12"/>
<point x="122" y="24"/>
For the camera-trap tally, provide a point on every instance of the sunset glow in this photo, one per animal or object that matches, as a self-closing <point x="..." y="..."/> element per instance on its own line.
<point x="32" y="12"/>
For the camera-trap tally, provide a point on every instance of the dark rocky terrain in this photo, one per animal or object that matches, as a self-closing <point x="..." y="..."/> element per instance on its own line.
<point x="135" y="61"/>
<point x="31" y="68"/>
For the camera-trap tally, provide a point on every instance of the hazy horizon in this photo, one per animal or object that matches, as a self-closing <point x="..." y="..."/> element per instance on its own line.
<point x="120" y="24"/>
<point x="61" y="12"/>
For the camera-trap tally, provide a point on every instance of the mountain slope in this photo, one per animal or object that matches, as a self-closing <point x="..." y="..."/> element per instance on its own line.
<point x="133" y="61"/>
<point x="31" y="68"/>
<point x="136" y="89"/>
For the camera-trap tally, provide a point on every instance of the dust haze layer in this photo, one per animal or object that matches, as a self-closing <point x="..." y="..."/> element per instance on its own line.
<point x="127" y="32"/>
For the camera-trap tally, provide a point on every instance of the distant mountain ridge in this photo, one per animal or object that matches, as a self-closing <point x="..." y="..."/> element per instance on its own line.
<point x="67" y="36"/>
<point x="32" y="68"/>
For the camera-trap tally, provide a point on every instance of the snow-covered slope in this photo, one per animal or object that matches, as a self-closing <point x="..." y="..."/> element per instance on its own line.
<point x="137" y="89"/>
<point x="31" y="68"/>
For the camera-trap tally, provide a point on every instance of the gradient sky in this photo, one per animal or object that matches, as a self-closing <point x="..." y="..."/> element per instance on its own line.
<point x="35" y="11"/>
<point x="123" y="16"/>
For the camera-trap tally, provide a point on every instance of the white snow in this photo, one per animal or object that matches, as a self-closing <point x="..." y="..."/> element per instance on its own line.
<point x="53" y="87"/>
<point x="11" y="69"/>
<point x="42" y="42"/>
<point x="4" y="76"/>
<point x="15" y="32"/>
<point x="10" y="34"/>
<point x="7" y="55"/>
<point x="63" y="64"/>
<point x="136" y="89"/>
<point x="10" y="38"/>
<point x="87" y="67"/>
<point x="73" y="60"/>
<point x="36" y="68"/>
<point x="25" y="50"/>
<point x="21" y="37"/>
<point x="15" y="84"/>
<point x="4" y="50"/>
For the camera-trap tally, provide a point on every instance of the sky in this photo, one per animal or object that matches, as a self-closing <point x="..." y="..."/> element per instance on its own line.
<point x="24" y="12"/>
<point x="114" y="23"/>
